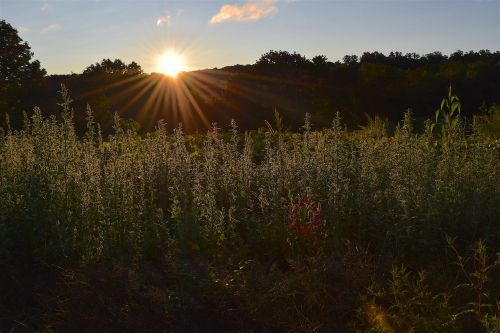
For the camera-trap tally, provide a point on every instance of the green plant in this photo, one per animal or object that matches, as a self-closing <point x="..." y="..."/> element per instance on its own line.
<point x="488" y="123"/>
<point x="476" y="269"/>
<point x="448" y="114"/>
<point x="201" y="205"/>
<point x="405" y="304"/>
<point x="376" y="127"/>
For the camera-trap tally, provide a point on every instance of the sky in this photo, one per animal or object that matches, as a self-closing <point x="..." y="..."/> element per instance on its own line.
<point x="68" y="35"/>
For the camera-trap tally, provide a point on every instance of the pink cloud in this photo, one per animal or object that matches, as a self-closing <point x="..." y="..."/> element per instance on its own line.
<point x="249" y="12"/>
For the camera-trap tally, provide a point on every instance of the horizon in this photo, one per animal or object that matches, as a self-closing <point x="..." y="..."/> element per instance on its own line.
<point x="68" y="36"/>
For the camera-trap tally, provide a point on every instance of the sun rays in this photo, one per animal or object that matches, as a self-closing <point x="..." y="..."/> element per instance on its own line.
<point x="195" y="99"/>
<point x="176" y="100"/>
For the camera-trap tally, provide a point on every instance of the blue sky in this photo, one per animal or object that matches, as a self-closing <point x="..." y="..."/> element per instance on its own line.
<point x="68" y="35"/>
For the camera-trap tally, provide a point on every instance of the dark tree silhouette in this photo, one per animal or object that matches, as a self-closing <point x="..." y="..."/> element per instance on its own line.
<point x="134" y="68"/>
<point x="435" y="58"/>
<point x="320" y="60"/>
<point x="113" y="67"/>
<point x="20" y="76"/>
<point x="350" y="60"/>
<point x="373" y="57"/>
<point x="16" y="65"/>
<point x="282" y="58"/>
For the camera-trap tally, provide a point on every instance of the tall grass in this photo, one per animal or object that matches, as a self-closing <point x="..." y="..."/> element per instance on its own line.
<point x="224" y="198"/>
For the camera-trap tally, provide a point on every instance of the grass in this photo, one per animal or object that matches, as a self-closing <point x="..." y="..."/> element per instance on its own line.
<point x="191" y="233"/>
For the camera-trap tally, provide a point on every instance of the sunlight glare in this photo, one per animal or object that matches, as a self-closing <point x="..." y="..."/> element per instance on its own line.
<point x="171" y="63"/>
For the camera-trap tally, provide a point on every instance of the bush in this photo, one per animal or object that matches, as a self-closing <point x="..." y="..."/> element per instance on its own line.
<point x="212" y="210"/>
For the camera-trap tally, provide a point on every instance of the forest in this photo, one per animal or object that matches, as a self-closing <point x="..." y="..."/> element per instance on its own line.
<point x="289" y="195"/>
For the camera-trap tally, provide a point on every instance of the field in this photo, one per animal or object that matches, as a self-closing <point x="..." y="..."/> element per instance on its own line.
<point x="260" y="231"/>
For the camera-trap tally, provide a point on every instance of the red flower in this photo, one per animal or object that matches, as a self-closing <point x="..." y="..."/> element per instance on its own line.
<point x="305" y="225"/>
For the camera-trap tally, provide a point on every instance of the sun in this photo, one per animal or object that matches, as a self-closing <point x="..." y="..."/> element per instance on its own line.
<point x="171" y="64"/>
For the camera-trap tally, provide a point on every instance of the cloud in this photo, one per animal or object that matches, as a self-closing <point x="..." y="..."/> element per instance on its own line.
<point x="51" y="27"/>
<point x="249" y="12"/>
<point x="44" y="7"/>
<point x="164" y="20"/>
<point x="22" y="29"/>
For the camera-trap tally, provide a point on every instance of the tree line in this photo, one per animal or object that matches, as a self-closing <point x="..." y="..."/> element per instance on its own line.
<point x="373" y="84"/>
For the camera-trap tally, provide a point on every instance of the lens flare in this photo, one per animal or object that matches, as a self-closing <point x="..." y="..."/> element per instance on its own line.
<point x="171" y="64"/>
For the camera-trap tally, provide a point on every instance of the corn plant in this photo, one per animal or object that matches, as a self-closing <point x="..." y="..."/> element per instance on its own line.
<point x="448" y="114"/>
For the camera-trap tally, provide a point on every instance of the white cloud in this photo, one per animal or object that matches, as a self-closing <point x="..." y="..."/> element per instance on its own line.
<point x="44" y="7"/>
<point x="51" y="27"/>
<point x="22" y="29"/>
<point x="164" y="20"/>
<point x="249" y="12"/>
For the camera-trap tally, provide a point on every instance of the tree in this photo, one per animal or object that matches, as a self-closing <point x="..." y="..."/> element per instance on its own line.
<point x="350" y="60"/>
<point x="16" y="66"/>
<point x="373" y="57"/>
<point x="435" y="58"/>
<point x="134" y="68"/>
<point x="282" y="58"/>
<point x="320" y="60"/>
<point x="20" y="76"/>
<point x="113" y="67"/>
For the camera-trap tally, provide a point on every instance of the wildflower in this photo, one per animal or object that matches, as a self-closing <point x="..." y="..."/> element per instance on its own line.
<point x="308" y="224"/>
